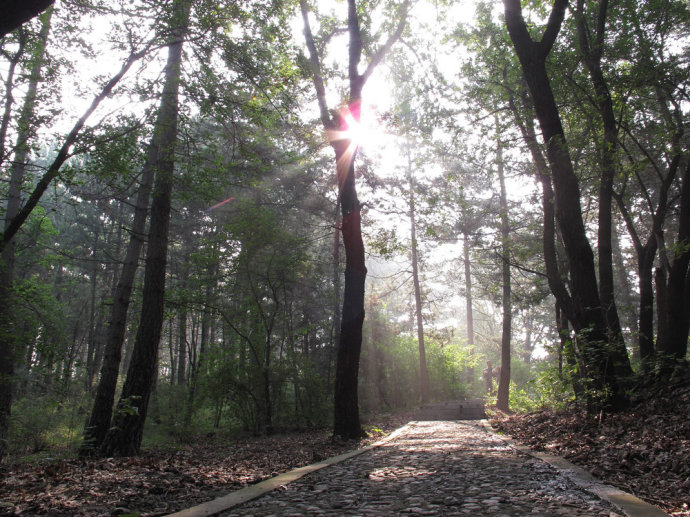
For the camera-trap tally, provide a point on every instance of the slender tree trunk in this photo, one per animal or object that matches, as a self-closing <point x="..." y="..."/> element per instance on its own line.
<point x="423" y="374"/>
<point x="182" y="342"/>
<point x="674" y="341"/>
<point x="8" y="332"/>
<point x="124" y="437"/>
<point x="469" y="310"/>
<point x="553" y="271"/>
<point x="646" y="254"/>
<point x="171" y="350"/>
<point x="503" y="397"/>
<point x="601" y="360"/>
<point x="203" y="349"/>
<point x="101" y="413"/>
<point x="9" y="88"/>
<point x="92" y="345"/>
<point x="371" y="365"/>
<point x="335" y="328"/>
<point x="625" y="291"/>
<point x="529" y="329"/>
<point x="346" y="421"/>
<point x="63" y="154"/>
<point x="592" y="52"/>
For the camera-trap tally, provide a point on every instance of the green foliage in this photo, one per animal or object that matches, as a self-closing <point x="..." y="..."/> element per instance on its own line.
<point x="446" y="364"/>
<point x="45" y="425"/>
<point x="128" y="406"/>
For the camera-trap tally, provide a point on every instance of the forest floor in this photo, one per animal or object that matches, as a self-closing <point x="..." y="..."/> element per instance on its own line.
<point x="164" y="480"/>
<point x="644" y="451"/>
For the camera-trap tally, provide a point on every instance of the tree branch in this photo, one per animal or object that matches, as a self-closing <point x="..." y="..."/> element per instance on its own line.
<point x="317" y="78"/>
<point x="63" y="154"/>
<point x="553" y="26"/>
<point x="381" y="53"/>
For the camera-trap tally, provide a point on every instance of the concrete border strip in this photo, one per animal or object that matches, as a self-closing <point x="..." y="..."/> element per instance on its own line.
<point x="253" y="491"/>
<point x="629" y="504"/>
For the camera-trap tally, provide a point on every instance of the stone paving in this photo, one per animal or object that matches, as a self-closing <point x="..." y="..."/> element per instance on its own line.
<point x="433" y="468"/>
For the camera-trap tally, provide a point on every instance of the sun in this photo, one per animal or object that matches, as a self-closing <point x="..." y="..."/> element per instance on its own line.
<point x="367" y="133"/>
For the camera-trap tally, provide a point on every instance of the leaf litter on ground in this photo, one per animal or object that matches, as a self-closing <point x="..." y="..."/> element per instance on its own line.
<point x="644" y="450"/>
<point x="161" y="481"/>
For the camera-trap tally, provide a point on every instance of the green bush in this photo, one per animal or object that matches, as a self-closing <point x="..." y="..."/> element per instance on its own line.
<point x="43" y="423"/>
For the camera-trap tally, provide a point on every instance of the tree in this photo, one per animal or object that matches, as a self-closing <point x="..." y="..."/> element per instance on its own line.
<point x="423" y="374"/>
<point x="346" y="408"/>
<point x="8" y="351"/>
<point x="604" y="360"/>
<point x="502" y="399"/>
<point x="124" y="437"/>
<point x="101" y="413"/>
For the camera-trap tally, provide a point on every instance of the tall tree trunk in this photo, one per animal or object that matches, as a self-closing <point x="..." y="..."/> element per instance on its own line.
<point x="203" y="346"/>
<point x="469" y="310"/>
<point x="372" y="363"/>
<point x="124" y="437"/>
<point x="553" y="271"/>
<point x="346" y="421"/>
<point x="91" y="345"/>
<point x="423" y="374"/>
<point x="63" y="154"/>
<point x="101" y="413"/>
<point x="9" y="88"/>
<point x="600" y="360"/>
<point x="335" y="327"/>
<point x="674" y="342"/>
<point x="502" y="399"/>
<point x="8" y="332"/>
<point x="646" y="254"/>
<point x="625" y="290"/>
<point x="182" y="343"/>
<point x="592" y="52"/>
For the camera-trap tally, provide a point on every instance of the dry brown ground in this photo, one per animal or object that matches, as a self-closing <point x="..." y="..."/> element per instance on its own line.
<point x="644" y="451"/>
<point x="162" y="481"/>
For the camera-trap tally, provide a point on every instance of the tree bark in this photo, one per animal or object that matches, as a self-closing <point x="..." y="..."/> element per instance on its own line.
<point x="8" y="333"/>
<point x="182" y="343"/>
<point x="9" y="87"/>
<point x="423" y="374"/>
<point x="346" y="421"/>
<point x="592" y="52"/>
<point x="503" y="397"/>
<point x="601" y="360"/>
<point x="674" y="342"/>
<point x="101" y="413"/>
<point x="124" y="437"/>
<point x="553" y="272"/>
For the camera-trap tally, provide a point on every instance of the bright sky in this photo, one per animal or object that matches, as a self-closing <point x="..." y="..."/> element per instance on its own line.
<point x="426" y="21"/>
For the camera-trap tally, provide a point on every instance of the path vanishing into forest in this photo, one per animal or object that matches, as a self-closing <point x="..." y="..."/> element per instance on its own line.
<point x="456" y="467"/>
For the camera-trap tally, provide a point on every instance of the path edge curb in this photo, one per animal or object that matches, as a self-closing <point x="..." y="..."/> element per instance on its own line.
<point x="630" y="505"/>
<point x="248" y="493"/>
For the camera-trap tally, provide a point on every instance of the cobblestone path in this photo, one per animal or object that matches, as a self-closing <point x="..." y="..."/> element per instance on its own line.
<point x="433" y="468"/>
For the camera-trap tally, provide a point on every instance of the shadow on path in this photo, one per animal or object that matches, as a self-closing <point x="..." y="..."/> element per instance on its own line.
<point x="428" y="468"/>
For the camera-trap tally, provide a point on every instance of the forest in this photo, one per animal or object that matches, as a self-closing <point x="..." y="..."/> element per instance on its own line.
<point x="254" y="217"/>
